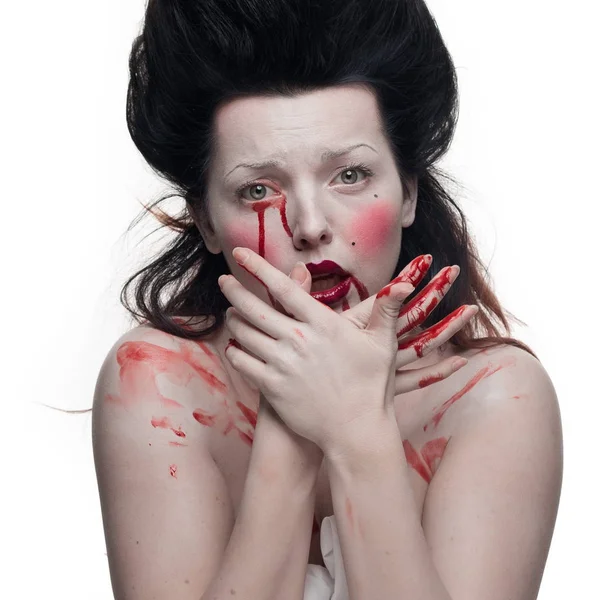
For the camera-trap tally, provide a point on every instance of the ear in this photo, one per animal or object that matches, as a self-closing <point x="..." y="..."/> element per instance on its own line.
<point x="409" y="203"/>
<point x="205" y="227"/>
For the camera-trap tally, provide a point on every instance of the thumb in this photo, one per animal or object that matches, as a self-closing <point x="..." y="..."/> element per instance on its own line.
<point x="387" y="305"/>
<point x="301" y="275"/>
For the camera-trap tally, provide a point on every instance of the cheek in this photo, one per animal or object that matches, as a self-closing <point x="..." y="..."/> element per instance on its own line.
<point x="374" y="228"/>
<point x="240" y="234"/>
<point x="254" y="232"/>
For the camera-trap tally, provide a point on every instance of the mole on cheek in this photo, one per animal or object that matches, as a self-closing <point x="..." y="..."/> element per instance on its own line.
<point x="373" y="227"/>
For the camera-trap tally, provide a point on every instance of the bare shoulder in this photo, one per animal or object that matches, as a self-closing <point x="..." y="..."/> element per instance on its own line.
<point x="507" y="378"/>
<point x="165" y="384"/>
<point x="166" y="507"/>
<point x="493" y="501"/>
<point x="516" y="372"/>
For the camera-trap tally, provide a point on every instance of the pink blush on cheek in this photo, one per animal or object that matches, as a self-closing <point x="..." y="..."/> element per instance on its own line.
<point x="372" y="228"/>
<point x="244" y="236"/>
<point x="240" y="235"/>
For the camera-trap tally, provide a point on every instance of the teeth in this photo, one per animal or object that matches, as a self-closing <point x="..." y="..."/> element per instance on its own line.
<point x="325" y="284"/>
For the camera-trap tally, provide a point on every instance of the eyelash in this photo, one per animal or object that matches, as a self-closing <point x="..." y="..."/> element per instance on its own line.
<point x="354" y="166"/>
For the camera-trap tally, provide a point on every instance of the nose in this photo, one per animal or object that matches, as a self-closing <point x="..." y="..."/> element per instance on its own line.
<point x="311" y="228"/>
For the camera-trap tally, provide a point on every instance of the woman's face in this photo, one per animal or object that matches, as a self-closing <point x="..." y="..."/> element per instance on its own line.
<point x="309" y="203"/>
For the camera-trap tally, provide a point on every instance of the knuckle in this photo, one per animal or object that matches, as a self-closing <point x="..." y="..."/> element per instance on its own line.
<point x="297" y="343"/>
<point x="246" y="307"/>
<point x="321" y="329"/>
<point x="284" y="287"/>
<point x="271" y="383"/>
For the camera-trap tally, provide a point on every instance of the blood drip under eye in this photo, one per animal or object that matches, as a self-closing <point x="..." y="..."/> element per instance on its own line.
<point x="279" y="202"/>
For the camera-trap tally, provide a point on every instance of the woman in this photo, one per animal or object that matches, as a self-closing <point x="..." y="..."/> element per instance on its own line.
<point x="327" y="433"/>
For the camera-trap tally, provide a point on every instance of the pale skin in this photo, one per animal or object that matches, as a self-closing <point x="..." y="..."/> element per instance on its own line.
<point x="414" y="520"/>
<point x="321" y="410"/>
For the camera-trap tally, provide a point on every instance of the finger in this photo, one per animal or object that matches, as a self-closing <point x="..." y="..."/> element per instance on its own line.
<point x="307" y="283"/>
<point x="249" y="367"/>
<point x="387" y="305"/>
<point x="302" y="306"/>
<point x="408" y="380"/>
<point x="422" y="344"/>
<point x="415" y="312"/>
<point x="253" y="309"/>
<point x="301" y="275"/>
<point x="412" y="273"/>
<point x="254" y="341"/>
<point x="416" y="269"/>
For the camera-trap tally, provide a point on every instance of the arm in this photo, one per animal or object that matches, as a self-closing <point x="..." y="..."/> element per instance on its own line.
<point x="267" y="555"/>
<point x="168" y="519"/>
<point x="489" y="512"/>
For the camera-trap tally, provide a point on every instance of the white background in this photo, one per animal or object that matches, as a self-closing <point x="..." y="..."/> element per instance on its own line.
<point x="525" y="150"/>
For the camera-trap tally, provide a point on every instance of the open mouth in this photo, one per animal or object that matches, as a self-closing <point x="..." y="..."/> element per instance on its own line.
<point x="325" y="283"/>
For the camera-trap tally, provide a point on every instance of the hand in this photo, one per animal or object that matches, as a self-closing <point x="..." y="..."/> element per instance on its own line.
<point x="270" y="426"/>
<point x="286" y="444"/>
<point x="319" y="371"/>
<point x="412" y="315"/>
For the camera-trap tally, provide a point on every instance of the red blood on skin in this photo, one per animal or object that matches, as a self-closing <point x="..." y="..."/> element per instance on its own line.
<point x="251" y="415"/>
<point x="420" y="341"/>
<point x="426" y="462"/>
<point x="233" y="342"/>
<point x="439" y="285"/>
<point x="142" y="362"/>
<point x="416" y="269"/>
<point x="173" y="471"/>
<point x="483" y="373"/>
<point x="412" y="273"/>
<point x="280" y="202"/>
<point x="385" y="291"/>
<point x="426" y="381"/>
<point x="415" y="461"/>
<point x="165" y="423"/>
<point x="259" y="207"/>
<point x="298" y="332"/>
<point x="226" y="421"/>
<point x="433" y="451"/>
<point x="204" y="418"/>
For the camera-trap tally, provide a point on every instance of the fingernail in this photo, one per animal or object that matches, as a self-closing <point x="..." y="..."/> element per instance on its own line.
<point x="240" y="255"/>
<point x="299" y="273"/>
<point x="458" y="363"/>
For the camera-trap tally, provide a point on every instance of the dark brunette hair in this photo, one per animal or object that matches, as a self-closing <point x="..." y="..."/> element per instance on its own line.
<point x="194" y="55"/>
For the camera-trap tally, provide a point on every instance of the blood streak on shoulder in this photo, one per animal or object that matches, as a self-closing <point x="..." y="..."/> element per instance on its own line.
<point x="426" y="462"/>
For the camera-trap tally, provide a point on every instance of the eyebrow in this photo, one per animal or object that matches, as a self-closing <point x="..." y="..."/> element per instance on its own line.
<point x="325" y="157"/>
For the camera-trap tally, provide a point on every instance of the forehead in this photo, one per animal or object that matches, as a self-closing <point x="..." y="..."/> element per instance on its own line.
<point x="259" y="127"/>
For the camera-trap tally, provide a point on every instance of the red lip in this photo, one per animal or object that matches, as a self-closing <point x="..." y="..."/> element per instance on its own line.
<point x="325" y="268"/>
<point x="337" y="292"/>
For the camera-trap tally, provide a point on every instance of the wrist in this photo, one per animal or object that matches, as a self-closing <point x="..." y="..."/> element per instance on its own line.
<point x="362" y="444"/>
<point x="286" y="451"/>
